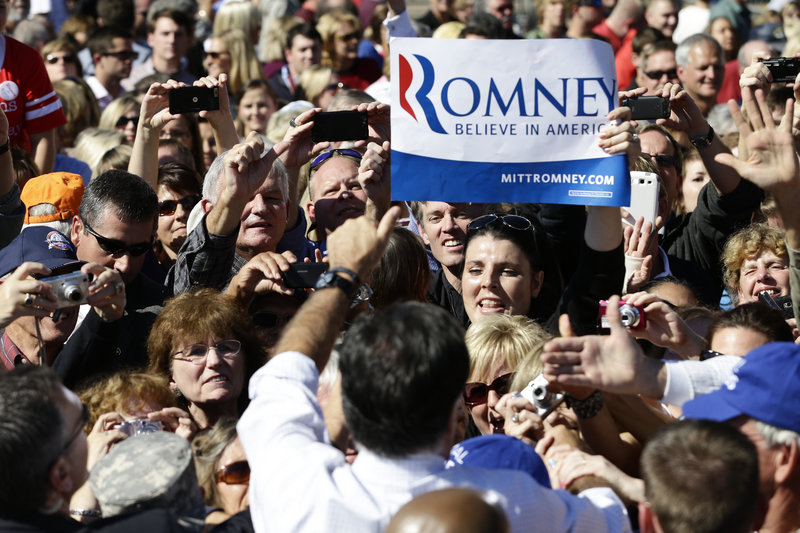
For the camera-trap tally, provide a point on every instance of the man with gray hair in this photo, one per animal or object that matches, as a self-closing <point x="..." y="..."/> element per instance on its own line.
<point x="701" y="69"/>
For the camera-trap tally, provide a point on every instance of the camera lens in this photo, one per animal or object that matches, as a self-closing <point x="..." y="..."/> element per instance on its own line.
<point x="194" y="99"/>
<point x="629" y="315"/>
<point x="73" y="293"/>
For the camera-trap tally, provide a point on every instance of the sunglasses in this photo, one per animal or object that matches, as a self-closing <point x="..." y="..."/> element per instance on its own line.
<point x="168" y="207"/>
<point x="478" y="393"/>
<point x="514" y="222"/>
<point x="237" y="473"/>
<point x="123" y="121"/>
<point x="321" y="158"/>
<point x="709" y="354"/>
<point x="665" y="161"/>
<point x="122" y="55"/>
<point x="55" y="59"/>
<point x="348" y="37"/>
<point x="658" y="74"/>
<point x="198" y="353"/>
<point x="118" y="248"/>
<point x="216" y="55"/>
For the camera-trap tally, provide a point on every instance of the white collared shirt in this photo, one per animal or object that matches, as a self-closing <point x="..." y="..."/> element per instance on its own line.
<point x="300" y="483"/>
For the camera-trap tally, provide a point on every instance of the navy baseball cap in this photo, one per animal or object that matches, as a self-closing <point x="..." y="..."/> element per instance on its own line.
<point x="765" y="386"/>
<point x="499" y="451"/>
<point x="39" y="244"/>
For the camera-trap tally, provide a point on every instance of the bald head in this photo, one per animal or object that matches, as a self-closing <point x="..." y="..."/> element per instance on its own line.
<point x="449" y="511"/>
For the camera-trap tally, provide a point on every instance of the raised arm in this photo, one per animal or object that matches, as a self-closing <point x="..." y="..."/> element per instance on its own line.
<point x="356" y="245"/>
<point x="43" y="147"/>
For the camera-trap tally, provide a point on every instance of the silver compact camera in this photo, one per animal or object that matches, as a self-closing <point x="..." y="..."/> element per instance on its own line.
<point x="545" y="401"/>
<point x="140" y="426"/>
<point x="70" y="289"/>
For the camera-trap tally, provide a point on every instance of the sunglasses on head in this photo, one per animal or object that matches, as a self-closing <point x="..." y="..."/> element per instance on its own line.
<point x="324" y="156"/>
<point x="123" y="121"/>
<point x="237" y="473"/>
<point x="514" y="222"/>
<point x="658" y="74"/>
<point x="478" y="393"/>
<point x="118" y="248"/>
<point x="55" y="59"/>
<point x="168" y="207"/>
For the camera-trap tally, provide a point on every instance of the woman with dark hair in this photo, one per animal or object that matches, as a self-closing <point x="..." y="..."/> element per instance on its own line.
<point x="205" y="344"/>
<point x="403" y="273"/>
<point x="178" y="192"/>
<point x="185" y="130"/>
<point x="744" y="328"/>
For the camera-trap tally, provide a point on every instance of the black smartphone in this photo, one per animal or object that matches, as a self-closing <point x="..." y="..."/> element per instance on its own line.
<point x="647" y="107"/>
<point x="783" y="69"/>
<point x="303" y="275"/>
<point x="339" y="126"/>
<point x="781" y="303"/>
<point x="193" y="99"/>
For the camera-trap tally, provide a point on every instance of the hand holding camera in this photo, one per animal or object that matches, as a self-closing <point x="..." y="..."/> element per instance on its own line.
<point x="23" y="295"/>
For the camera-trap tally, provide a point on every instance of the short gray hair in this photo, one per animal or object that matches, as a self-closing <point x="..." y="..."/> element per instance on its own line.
<point x="211" y="183"/>
<point x="40" y="210"/>
<point x="775" y="435"/>
<point x="682" y="52"/>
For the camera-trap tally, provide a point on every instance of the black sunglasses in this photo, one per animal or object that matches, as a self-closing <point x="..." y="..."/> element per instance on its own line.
<point x="123" y="121"/>
<point x="55" y="59"/>
<point x="122" y="55"/>
<point x="666" y="161"/>
<point x="118" y="248"/>
<point x="658" y="74"/>
<point x="168" y="207"/>
<point x="478" y="393"/>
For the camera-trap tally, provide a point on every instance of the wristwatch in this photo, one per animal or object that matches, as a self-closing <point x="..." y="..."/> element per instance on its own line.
<point x="331" y="278"/>
<point x="703" y="140"/>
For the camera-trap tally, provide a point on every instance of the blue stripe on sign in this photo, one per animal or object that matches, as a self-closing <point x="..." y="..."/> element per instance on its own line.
<point x="602" y="181"/>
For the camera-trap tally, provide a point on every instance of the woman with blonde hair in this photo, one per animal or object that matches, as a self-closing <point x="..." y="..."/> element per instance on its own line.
<point x="231" y="53"/>
<point x="93" y="143"/>
<point x="318" y="85"/>
<point x="61" y="60"/>
<point x="341" y="33"/>
<point x="241" y="15"/>
<point x="122" y="116"/>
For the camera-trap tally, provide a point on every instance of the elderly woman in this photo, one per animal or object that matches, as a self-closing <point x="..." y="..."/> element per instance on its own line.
<point x="204" y="343"/>
<point x="222" y="470"/>
<point x="754" y="261"/>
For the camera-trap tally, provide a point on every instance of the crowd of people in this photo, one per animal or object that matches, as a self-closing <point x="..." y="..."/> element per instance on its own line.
<point x="211" y="321"/>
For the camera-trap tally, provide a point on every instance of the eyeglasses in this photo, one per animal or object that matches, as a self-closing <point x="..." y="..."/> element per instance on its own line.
<point x="324" y="156"/>
<point x="511" y="221"/>
<point x="168" y="207"/>
<point x="665" y="161"/>
<point x="658" y="74"/>
<point x="237" y="473"/>
<point x="215" y="55"/>
<point x="478" y="393"/>
<point x="82" y="421"/>
<point x="708" y="354"/>
<point x="123" y="121"/>
<point x="197" y="353"/>
<point x="55" y="59"/>
<point x="122" y="55"/>
<point x="118" y="248"/>
<point x="349" y="36"/>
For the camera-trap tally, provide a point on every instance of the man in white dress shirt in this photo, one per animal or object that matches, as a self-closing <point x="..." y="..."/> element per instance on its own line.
<point x="403" y="372"/>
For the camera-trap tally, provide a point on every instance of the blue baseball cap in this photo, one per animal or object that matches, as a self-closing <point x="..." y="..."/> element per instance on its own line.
<point x="499" y="451"/>
<point x="765" y="386"/>
<point x="39" y="244"/>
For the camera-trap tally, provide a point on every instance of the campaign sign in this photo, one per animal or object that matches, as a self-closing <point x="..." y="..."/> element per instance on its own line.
<point x="504" y="121"/>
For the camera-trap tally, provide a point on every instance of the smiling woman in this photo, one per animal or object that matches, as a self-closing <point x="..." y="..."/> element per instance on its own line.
<point x="755" y="261"/>
<point x="204" y="343"/>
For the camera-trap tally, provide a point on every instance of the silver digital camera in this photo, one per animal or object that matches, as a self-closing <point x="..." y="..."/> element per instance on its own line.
<point x="140" y="426"/>
<point x="545" y="401"/>
<point x="70" y="289"/>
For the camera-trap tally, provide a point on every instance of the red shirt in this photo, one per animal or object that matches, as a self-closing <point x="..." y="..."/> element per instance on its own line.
<point x="730" y="89"/>
<point x="365" y="73"/>
<point x="26" y="94"/>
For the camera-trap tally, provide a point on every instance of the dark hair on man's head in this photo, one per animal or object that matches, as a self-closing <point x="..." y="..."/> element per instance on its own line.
<point x="179" y="17"/>
<point x="646" y="37"/>
<point x="403" y="369"/>
<point x="128" y="196"/>
<point x="483" y="24"/>
<point x="306" y="30"/>
<point x="403" y="272"/>
<point x="755" y="316"/>
<point x="179" y="178"/>
<point x="116" y="13"/>
<point x="102" y="40"/>
<point x="701" y="477"/>
<point x="31" y="438"/>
